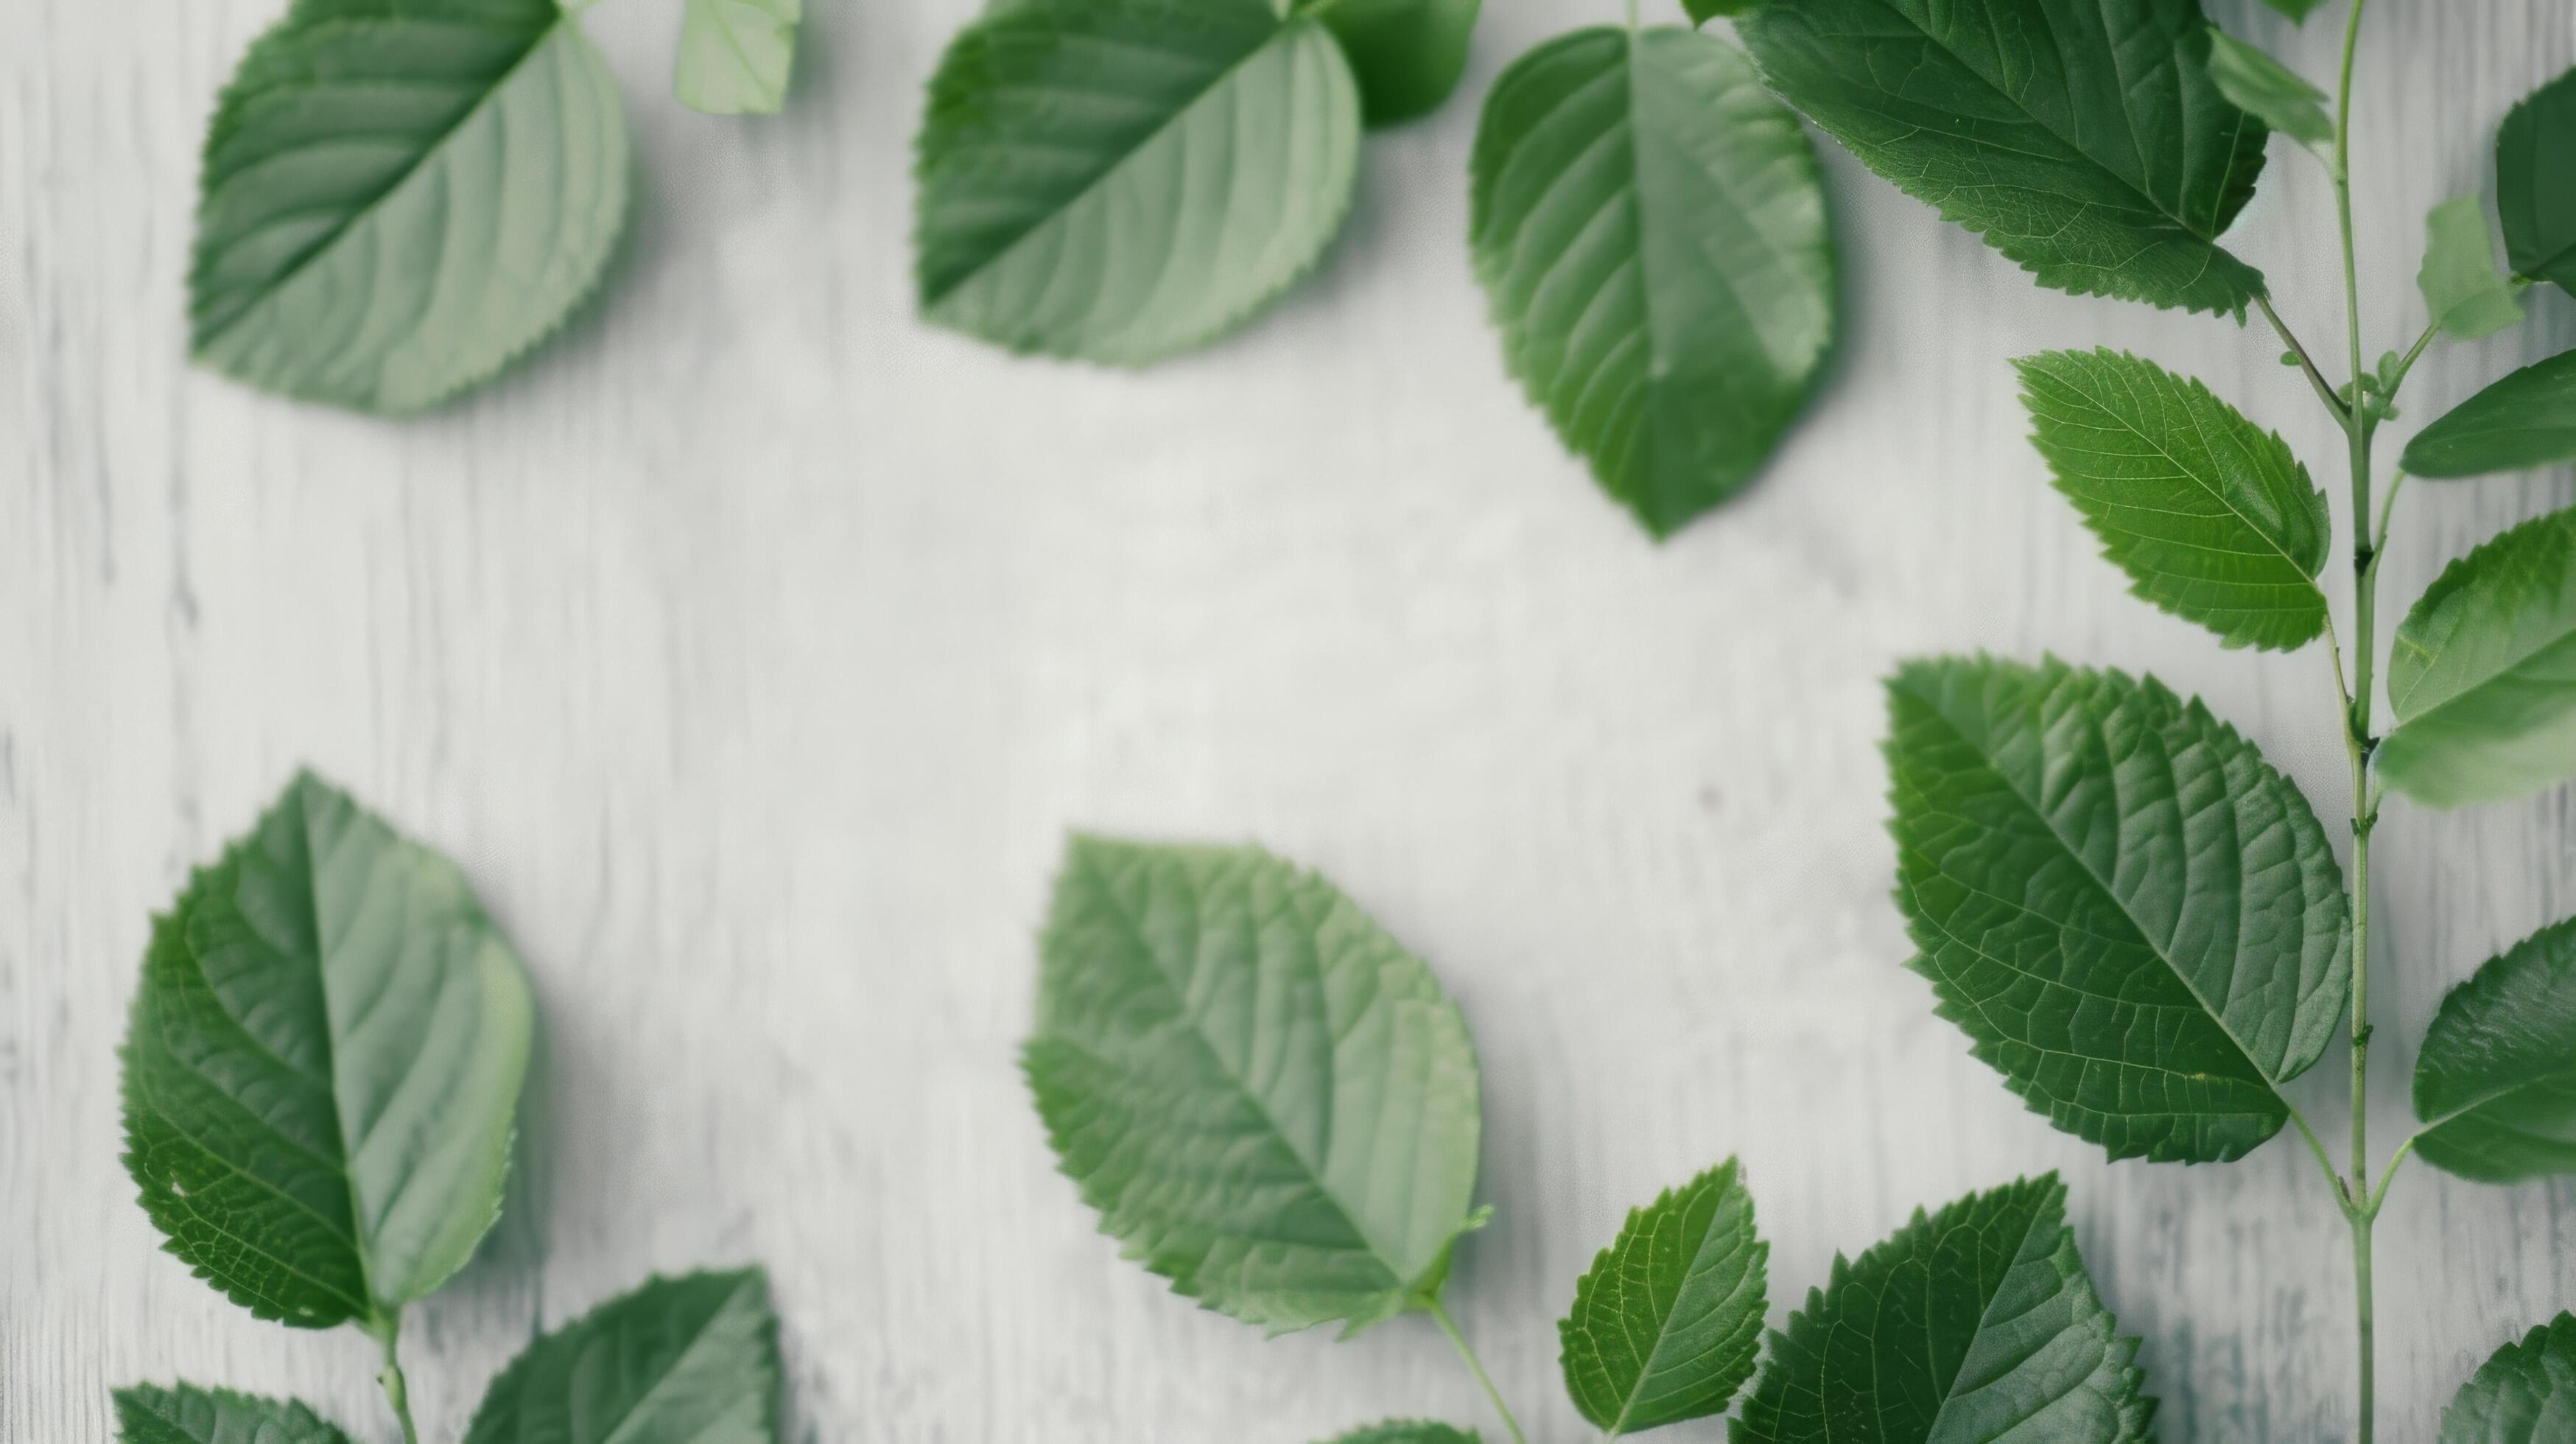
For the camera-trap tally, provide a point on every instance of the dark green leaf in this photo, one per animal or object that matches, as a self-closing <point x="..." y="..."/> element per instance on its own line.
<point x="323" y="1064"/>
<point x="2528" y="419"/>
<point x="1666" y="1323"/>
<point x="2482" y="674"/>
<point x="400" y="196"/>
<point x="690" y="1360"/>
<point x="1703" y="11"/>
<point x="2469" y="297"/>
<point x="2536" y="183"/>
<point x="2269" y="91"/>
<point x="186" y="1414"/>
<point x="2496" y="1082"/>
<point x="1650" y="227"/>
<point x="2085" y="141"/>
<point x="1407" y="1431"/>
<point x="2211" y="516"/>
<point x="1978" y="1322"/>
<point x="1268" y="1100"/>
<point x="2133" y="917"/>
<point x="735" y="55"/>
<point x="2297" y="10"/>
<point x="1408" y="54"/>
<point x="1122" y="180"/>
<point x="2524" y="1394"/>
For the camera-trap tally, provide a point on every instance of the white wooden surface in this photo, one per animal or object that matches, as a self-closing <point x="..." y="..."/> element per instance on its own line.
<point x="754" y="646"/>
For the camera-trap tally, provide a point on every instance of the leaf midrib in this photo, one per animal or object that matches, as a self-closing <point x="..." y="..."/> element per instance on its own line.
<point x="1648" y="1367"/>
<point x="2563" y="635"/>
<point x="1985" y="1318"/>
<point x="696" y="1339"/>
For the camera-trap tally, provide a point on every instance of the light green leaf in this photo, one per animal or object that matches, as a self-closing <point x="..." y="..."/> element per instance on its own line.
<point x="2496" y="1082"/>
<point x="1407" y="54"/>
<point x="1703" y="11"/>
<point x="2524" y="1394"/>
<point x="322" y="1068"/>
<point x="2297" y="10"/>
<point x="2527" y="419"/>
<point x="2469" y="297"/>
<point x="1650" y="227"/>
<point x="401" y="196"/>
<point x="1121" y="180"/>
<point x="735" y="55"/>
<point x="2104" y="160"/>
<point x="186" y="1414"/>
<point x="2536" y="183"/>
<point x="1407" y="1431"/>
<point x="2133" y="917"/>
<point x="2482" y="674"/>
<point x="1269" y="1101"/>
<point x="2269" y="91"/>
<point x="1667" y="1321"/>
<point x="1977" y="1323"/>
<point x="690" y="1360"/>
<point x="2210" y="515"/>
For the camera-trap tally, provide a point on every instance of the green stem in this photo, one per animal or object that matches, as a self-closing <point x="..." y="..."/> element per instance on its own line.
<point x="1449" y="1326"/>
<point x="386" y="1328"/>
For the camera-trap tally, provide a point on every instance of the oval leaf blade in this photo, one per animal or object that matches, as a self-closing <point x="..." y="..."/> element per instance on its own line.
<point x="1650" y="228"/>
<point x="2527" y="419"/>
<point x="186" y="1414"/>
<point x="1269" y="1101"/>
<point x="2524" y="1394"/>
<point x="1120" y="180"/>
<point x="2269" y="91"/>
<point x="2058" y="154"/>
<point x="2133" y="917"/>
<point x="2496" y="1082"/>
<point x="2211" y="516"/>
<point x="690" y="1360"/>
<point x="2468" y="296"/>
<point x="1978" y="1322"/>
<point x="1407" y="54"/>
<point x="2536" y="183"/>
<point x="736" y="55"/>
<point x="401" y="196"/>
<point x="323" y="1066"/>
<point x="1667" y="1321"/>
<point x="2482" y="675"/>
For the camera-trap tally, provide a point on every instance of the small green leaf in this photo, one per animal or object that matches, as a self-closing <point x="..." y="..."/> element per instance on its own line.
<point x="2211" y="516"/>
<point x="2468" y="295"/>
<point x="735" y="55"/>
<point x="2297" y="10"/>
<point x="2133" y="917"/>
<point x="1407" y="1431"/>
<point x="2536" y="183"/>
<point x="401" y="196"/>
<point x="690" y="1360"/>
<point x="1667" y="1321"/>
<point x="2524" y="1394"/>
<point x="1122" y="180"/>
<point x="1268" y="1099"/>
<point x="2482" y="674"/>
<point x="1650" y="227"/>
<point x="1978" y="1322"/>
<point x="1703" y="11"/>
<point x="2496" y="1082"/>
<point x="186" y="1414"/>
<point x="2086" y="142"/>
<point x="323" y="1065"/>
<point x="2269" y="91"/>
<point x="2527" y="419"/>
<point x="1407" y="54"/>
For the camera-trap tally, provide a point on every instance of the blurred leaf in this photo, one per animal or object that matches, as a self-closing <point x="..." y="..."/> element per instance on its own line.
<point x="2468" y="295"/>
<point x="2269" y="91"/>
<point x="2482" y="675"/>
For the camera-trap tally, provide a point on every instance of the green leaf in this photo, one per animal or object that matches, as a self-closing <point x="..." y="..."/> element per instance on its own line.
<point x="1122" y="180"/>
<point x="1407" y="54"/>
<point x="401" y="196"/>
<point x="1703" y="11"/>
<point x="2297" y="10"/>
<point x="2524" y="1394"/>
<point x="690" y="1360"/>
<point x="2104" y="160"/>
<point x="2210" y="515"/>
<point x="1666" y="1322"/>
<point x="1650" y="227"/>
<point x="2133" y="917"/>
<point x="735" y="55"/>
<point x="1407" y="1431"/>
<point x="323" y="1064"/>
<point x="2496" y="1082"/>
<point x="2269" y="91"/>
<point x="1269" y="1101"/>
<point x="2536" y="183"/>
<point x="186" y="1414"/>
<point x="2482" y="675"/>
<point x="2527" y="419"/>
<point x="2469" y="297"/>
<point x="1978" y="1322"/>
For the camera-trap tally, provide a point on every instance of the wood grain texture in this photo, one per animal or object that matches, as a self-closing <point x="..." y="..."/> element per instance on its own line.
<point x="753" y="647"/>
